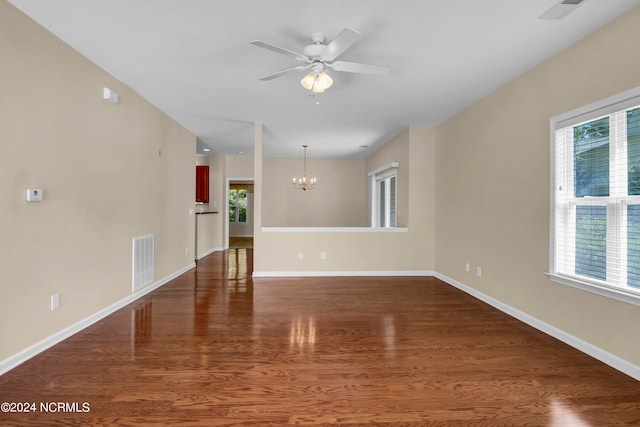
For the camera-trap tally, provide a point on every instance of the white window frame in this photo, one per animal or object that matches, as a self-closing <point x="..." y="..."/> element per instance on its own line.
<point x="384" y="174"/>
<point x="616" y="202"/>
<point x="237" y="210"/>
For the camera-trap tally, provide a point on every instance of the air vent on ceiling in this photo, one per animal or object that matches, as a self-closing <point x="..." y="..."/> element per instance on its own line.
<point x="561" y="9"/>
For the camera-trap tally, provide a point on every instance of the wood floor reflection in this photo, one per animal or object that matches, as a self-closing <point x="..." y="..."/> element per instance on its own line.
<point x="214" y="347"/>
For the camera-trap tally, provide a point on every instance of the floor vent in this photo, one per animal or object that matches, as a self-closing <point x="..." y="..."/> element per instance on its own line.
<point x="142" y="262"/>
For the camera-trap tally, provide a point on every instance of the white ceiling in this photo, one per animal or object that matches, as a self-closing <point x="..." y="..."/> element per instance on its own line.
<point x="192" y="59"/>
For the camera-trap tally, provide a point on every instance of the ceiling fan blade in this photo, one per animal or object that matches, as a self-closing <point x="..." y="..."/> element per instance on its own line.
<point x="354" y="67"/>
<point x="344" y="41"/>
<point x="284" y="72"/>
<point x="278" y="49"/>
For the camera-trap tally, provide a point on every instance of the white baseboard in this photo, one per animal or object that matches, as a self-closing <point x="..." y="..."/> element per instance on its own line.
<point x="209" y="252"/>
<point x="594" y="351"/>
<point x="37" y="348"/>
<point x="390" y="273"/>
<point x="604" y="356"/>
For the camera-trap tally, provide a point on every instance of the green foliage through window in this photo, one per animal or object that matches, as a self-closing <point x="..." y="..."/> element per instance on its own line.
<point x="237" y="206"/>
<point x="591" y="162"/>
<point x="591" y="241"/>
<point x="633" y="150"/>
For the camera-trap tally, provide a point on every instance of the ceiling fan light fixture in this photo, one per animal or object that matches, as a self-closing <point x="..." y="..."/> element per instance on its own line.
<point x="317" y="83"/>
<point x="325" y="80"/>
<point x="317" y="87"/>
<point x="308" y="81"/>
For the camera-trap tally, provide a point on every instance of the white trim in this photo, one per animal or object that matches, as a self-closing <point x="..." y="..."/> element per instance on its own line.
<point x="37" y="348"/>
<point x="387" y="273"/>
<point x="597" y="109"/>
<point x="334" y="230"/>
<point x="386" y="202"/>
<point x="552" y="196"/>
<point x="383" y="175"/>
<point x="384" y="168"/>
<point x="604" y="356"/>
<point x="209" y="252"/>
<point x="606" y="291"/>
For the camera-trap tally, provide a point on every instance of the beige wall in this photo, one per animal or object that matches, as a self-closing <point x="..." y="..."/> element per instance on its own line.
<point x="109" y="173"/>
<point x="356" y="250"/>
<point x="207" y="224"/>
<point x="492" y="207"/>
<point x="339" y="199"/>
<point x="239" y="166"/>
<point x="396" y="150"/>
<point x="213" y="228"/>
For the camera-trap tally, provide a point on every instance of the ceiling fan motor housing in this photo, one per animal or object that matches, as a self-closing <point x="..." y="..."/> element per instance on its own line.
<point x="317" y="67"/>
<point x="314" y="51"/>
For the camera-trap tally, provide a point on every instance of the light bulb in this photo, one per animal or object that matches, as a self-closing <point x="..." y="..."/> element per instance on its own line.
<point x="325" y="80"/>
<point x="308" y="81"/>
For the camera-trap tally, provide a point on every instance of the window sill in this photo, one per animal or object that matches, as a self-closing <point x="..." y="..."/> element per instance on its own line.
<point x="623" y="295"/>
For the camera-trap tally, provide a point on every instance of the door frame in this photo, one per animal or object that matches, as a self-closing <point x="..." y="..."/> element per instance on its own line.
<point x="226" y="205"/>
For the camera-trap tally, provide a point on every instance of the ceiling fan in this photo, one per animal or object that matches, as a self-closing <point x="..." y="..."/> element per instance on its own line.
<point x="319" y="56"/>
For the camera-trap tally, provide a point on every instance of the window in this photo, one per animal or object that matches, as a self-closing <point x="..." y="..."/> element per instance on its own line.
<point x="595" y="242"/>
<point x="384" y="196"/>
<point x="238" y="206"/>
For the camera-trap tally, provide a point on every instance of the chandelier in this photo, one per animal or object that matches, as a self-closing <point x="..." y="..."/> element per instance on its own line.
<point x="317" y="80"/>
<point x="303" y="183"/>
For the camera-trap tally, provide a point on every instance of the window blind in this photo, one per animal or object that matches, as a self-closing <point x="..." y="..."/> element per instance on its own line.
<point x="596" y="203"/>
<point x="392" y="201"/>
<point x="384" y="195"/>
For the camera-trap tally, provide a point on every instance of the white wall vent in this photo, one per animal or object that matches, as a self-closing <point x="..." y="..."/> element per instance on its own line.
<point x="142" y="262"/>
<point x="562" y="9"/>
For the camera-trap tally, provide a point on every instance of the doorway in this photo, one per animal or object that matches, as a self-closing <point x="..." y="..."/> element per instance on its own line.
<point x="239" y="213"/>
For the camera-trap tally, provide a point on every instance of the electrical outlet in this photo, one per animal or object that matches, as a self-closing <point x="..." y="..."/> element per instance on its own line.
<point x="323" y="255"/>
<point x="300" y="256"/>
<point x="478" y="271"/>
<point x="466" y="267"/>
<point x="186" y="251"/>
<point x="55" y="302"/>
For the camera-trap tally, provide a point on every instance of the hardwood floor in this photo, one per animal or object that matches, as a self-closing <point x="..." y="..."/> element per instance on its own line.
<point x="240" y="242"/>
<point x="214" y="348"/>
